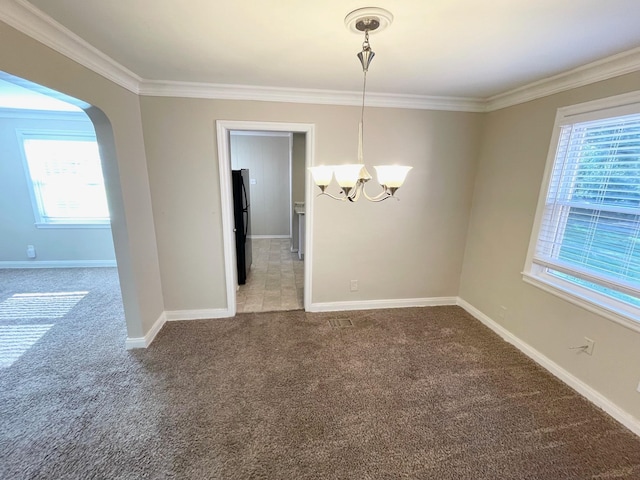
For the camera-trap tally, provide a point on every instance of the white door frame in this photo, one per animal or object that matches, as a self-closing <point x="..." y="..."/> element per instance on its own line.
<point x="224" y="128"/>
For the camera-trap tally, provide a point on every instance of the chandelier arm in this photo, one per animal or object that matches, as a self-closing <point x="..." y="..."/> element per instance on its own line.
<point x="378" y="198"/>
<point x="342" y="199"/>
<point x="354" y="195"/>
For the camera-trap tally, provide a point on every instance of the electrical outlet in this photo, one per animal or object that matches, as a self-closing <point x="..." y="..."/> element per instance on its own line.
<point x="354" y="285"/>
<point x="502" y="313"/>
<point x="589" y="344"/>
<point x="638" y="388"/>
<point x="31" y="251"/>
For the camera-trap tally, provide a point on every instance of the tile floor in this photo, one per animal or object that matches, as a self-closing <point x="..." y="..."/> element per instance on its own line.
<point x="276" y="278"/>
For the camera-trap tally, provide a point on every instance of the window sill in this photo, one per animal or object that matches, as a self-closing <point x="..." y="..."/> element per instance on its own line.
<point x="73" y="225"/>
<point x="607" y="311"/>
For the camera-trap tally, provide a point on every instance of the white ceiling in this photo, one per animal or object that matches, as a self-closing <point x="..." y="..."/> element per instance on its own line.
<point x="460" y="48"/>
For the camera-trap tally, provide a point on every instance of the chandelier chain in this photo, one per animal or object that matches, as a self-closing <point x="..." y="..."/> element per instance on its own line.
<point x="365" y="44"/>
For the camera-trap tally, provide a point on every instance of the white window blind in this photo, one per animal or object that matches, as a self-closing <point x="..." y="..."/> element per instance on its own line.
<point x="66" y="179"/>
<point x="589" y="233"/>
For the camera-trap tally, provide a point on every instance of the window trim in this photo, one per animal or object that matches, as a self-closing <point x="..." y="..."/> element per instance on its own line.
<point x="81" y="135"/>
<point x="535" y="274"/>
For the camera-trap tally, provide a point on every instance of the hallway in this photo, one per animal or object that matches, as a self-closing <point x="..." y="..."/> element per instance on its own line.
<point x="276" y="278"/>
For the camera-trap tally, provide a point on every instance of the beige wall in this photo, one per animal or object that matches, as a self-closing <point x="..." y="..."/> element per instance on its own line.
<point x="410" y="248"/>
<point x="126" y="179"/>
<point x="510" y="169"/>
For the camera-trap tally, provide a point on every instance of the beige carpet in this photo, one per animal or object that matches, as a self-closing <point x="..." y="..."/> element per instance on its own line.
<point x="419" y="393"/>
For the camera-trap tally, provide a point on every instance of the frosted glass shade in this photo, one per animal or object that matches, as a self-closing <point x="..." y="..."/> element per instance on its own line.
<point x="347" y="175"/>
<point x="322" y="175"/>
<point x="392" y="176"/>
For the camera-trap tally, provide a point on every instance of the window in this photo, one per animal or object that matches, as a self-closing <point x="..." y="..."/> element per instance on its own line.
<point x="65" y="177"/>
<point x="586" y="240"/>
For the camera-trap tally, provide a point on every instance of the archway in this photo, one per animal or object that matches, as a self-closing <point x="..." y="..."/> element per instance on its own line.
<point x="54" y="101"/>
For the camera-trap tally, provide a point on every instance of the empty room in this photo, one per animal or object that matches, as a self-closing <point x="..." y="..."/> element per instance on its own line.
<point x="450" y="288"/>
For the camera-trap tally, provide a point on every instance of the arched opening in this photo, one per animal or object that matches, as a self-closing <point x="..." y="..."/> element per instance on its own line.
<point x="61" y="271"/>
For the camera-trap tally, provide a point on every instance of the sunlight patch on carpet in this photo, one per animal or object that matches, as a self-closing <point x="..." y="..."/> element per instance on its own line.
<point x="17" y="339"/>
<point x="39" y="305"/>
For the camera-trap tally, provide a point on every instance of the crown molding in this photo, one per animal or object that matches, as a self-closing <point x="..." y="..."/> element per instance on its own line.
<point x="158" y="88"/>
<point x="26" y="18"/>
<point x="603" y="69"/>
<point x="31" y="21"/>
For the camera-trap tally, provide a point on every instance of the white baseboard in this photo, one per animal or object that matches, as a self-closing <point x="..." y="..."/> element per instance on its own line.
<point x="144" y="342"/>
<point x="204" y="314"/>
<point x="58" y="264"/>
<point x="377" y="304"/>
<point x="595" y="397"/>
<point x="269" y="236"/>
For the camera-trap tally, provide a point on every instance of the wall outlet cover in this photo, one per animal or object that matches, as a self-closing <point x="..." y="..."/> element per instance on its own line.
<point x="589" y="343"/>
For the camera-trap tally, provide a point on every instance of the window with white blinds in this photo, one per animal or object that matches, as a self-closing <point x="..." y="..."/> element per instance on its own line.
<point x="65" y="176"/>
<point x="587" y="238"/>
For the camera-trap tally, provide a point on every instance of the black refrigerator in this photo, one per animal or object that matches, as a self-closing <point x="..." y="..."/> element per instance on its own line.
<point x="242" y="216"/>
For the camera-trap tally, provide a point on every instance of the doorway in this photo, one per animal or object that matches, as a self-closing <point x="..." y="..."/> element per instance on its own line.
<point x="263" y="166"/>
<point x="271" y="254"/>
<point x="57" y="256"/>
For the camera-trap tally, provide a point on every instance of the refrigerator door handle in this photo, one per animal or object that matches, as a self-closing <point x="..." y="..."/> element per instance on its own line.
<point x="245" y="211"/>
<point x="244" y="192"/>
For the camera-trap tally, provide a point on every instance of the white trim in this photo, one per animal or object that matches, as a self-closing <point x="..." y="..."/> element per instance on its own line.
<point x="226" y="204"/>
<point x="57" y="263"/>
<point x="248" y="133"/>
<point x="266" y="237"/>
<point x="203" y="314"/>
<point x="31" y="21"/>
<point x="24" y="134"/>
<point x="223" y="129"/>
<point x="310" y="200"/>
<point x="162" y="88"/>
<point x="144" y="342"/>
<point x="603" y="69"/>
<point x="571" y="380"/>
<point x="290" y="207"/>
<point x="534" y="269"/>
<point x="378" y="304"/>
<point x="625" y="101"/>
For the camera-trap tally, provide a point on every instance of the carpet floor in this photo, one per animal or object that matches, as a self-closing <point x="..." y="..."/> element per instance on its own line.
<point x="418" y="393"/>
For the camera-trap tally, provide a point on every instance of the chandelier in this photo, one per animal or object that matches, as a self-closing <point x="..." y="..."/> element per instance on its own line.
<point x="352" y="177"/>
